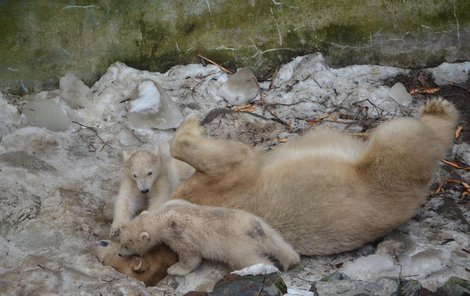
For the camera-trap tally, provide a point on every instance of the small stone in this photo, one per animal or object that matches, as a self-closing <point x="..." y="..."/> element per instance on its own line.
<point x="74" y="91"/>
<point x="399" y="93"/>
<point x="241" y="88"/>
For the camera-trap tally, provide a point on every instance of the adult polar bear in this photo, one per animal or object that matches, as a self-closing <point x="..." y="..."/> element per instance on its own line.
<point x="326" y="192"/>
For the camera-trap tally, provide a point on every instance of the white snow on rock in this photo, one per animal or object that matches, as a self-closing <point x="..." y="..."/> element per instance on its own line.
<point x="448" y="73"/>
<point x="296" y="292"/>
<point x="57" y="183"/>
<point x="148" y="99"/>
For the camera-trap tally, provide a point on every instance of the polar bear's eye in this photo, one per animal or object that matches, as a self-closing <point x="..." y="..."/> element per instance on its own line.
<point x="150" y="173"/>
<point x="135" y="176"/>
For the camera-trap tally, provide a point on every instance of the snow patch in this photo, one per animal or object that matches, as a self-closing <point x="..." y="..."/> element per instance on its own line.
<point x="448" y="73"/>
<point x="257" y="269"/>
<point x="148" y="100"/>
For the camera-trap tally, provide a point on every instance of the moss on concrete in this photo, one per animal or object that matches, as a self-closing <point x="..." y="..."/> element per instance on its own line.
<point x="42" y="40"/>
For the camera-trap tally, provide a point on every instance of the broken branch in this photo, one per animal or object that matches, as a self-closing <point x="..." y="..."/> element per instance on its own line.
<point x="216" y="64"/>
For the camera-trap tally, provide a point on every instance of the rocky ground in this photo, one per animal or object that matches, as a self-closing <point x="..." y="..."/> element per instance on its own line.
<point x="60" y="168"/>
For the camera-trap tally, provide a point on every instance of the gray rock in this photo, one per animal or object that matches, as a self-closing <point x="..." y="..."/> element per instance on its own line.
<point x="167" y="115"/>
<point x="241" y="88"/>
<point x="24" y="160"/>
<point x="455" y="286"/>
<point x="9" y="117"/>
<point x="46" y="113"/>
<point x="262" y="285"/>
<point x="74" y="91"/>
<point x="338" y="283"/>
<point x="413" y="288"/>
<point x="399" y="93"/>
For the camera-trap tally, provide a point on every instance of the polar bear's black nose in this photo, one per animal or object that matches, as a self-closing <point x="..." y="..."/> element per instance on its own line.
<point x="103" y="243"/>
<point x="144" y="190"/>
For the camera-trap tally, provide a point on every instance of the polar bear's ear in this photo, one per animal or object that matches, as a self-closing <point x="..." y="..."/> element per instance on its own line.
<point x="144" y="212"/>
<point x="144" y="236"/>
<point x="138" y="264"/>
<point x="125" y="156"/>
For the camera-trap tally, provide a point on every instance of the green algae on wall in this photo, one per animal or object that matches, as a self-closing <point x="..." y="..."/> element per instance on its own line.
<point x="43" y="40"/>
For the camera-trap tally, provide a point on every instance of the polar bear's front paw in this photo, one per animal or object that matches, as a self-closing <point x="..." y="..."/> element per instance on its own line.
<point x="178" y="269"/>
<point x="115" y="231"/>
<point x="190" y="125"/>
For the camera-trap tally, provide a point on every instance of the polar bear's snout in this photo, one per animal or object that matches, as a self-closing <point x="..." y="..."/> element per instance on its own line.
<point x="123" y="252"/>
<point x="144" y="185"/>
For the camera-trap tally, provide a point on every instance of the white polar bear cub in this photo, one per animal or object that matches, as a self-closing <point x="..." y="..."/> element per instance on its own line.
<point x="148" y="180"/>
<point x="194" y="232"/>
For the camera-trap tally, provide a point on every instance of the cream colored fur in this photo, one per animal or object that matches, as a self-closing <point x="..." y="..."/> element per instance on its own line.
<point x="148" y="180"/>
<point x="326" y="192"/>
<point x="195" y="232"/>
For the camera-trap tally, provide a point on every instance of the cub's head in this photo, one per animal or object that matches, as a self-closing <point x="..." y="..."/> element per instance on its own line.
<point x="135" y="238"/>
<point x="143" y="167"/>
<point x="150" y="268"/>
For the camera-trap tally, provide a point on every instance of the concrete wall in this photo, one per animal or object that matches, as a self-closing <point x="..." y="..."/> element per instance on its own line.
<point x="42" y="40"/>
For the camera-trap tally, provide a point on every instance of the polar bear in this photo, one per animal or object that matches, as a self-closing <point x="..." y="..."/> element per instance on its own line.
<point x="325" y="192"/>
<point x="149" y="268"/>
<point x="147" y="182"/>
<point x="194" y="232"/>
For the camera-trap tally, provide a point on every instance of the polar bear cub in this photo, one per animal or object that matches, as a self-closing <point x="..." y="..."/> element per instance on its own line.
<point x="194" y="232"/>
<point x="150" y="268"/>
<point x="148" y="180"/>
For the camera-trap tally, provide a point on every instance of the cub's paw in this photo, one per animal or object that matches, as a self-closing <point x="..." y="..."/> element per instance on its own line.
<point x="115" y="231"/>
<point x="440" y="108"/>
<point x="190" y="124"/>
<point x="178" y="269"/>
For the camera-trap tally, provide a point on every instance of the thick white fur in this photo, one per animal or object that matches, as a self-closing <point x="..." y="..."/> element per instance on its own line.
<point x="325" y="192"/>
<point x="148" y="180"/>
<point x="195" y="232"/>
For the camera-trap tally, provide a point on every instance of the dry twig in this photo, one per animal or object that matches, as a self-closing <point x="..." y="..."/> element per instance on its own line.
<point x="216" y="64"/>
<point x="105" y="143"/>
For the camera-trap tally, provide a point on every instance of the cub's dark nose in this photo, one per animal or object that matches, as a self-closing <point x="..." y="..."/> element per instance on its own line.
<point x="144" y="191"/>
<point x="103" y="243"/>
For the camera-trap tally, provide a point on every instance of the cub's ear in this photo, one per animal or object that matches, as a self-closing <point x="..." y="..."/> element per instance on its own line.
<point x="125" y="156"/>
<point x="138" y="264"/>
<point x="144" y="237"/>
<point x="144" y="212"/>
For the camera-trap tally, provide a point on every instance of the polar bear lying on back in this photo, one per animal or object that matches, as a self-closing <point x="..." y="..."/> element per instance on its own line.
<point x="325" y="192"/>
<point x="195" y="232"/>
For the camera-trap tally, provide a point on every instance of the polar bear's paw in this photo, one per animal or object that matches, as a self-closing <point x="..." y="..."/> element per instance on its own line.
<point x="440" y="108"/>
<point x="178" y="269"/>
